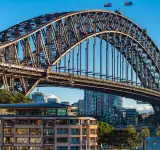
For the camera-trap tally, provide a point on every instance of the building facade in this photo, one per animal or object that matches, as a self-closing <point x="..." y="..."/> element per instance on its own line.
<point x="80" y="106"/>
<point x="45" y="127"/>
<point x="38" y="97"/>
<point x="65" y="103"/>
<point x="101" y="105"/>
<point x="131" y="117"/>
<point x="50" y="98"/>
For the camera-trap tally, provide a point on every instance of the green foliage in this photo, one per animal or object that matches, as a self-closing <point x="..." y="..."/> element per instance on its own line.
<point x="145" y="132"/>
<point x="158" y="131"/>
<point x="132" y="139"/>
<point x="103" y="129"/>
<point x="10" y="98"/>
<point x="123" y="138"/>
<point x="117" y="138"/>
<point x="150" y="121"/>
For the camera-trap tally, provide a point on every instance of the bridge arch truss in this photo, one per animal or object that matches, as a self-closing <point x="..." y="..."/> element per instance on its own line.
<point x="94" y="44"/>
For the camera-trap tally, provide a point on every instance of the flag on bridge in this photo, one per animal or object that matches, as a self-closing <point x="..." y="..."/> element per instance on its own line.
<point x="107" y="5"/>
<point x="128" y="3"/>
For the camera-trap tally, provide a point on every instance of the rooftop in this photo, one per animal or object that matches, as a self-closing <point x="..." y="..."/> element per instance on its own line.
<point x="35" y="105"/>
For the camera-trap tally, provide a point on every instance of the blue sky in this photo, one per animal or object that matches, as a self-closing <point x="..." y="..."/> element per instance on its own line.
<point x="145" y="13"/>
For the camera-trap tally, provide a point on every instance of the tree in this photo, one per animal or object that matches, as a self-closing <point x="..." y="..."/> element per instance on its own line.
<point x="103" y="130"/>
<point x="10" y="98"/>
<point x="122" y="138"/>
<point x="117" y="138"/>
<point x="158" y="131"/>
<point x="6" y="97"/>
<point x="144" y="133"/>
<point x="132" y="138"/>
<point x="20" y="98"/>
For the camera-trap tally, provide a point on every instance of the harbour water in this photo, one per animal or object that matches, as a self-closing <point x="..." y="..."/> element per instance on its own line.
<point x="152" y="143"/>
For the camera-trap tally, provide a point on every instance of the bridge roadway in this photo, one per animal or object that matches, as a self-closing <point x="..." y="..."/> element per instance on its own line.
<point x="82" y="82"/>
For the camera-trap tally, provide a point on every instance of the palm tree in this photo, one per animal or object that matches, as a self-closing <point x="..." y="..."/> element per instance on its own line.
<point x="144" y="133"/>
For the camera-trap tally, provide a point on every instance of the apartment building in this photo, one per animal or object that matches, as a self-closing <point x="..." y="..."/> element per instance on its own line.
<point x="45" y="126"/>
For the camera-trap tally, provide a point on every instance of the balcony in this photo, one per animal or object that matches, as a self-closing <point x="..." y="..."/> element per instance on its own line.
<point x="8" y="133"/>
<point x="48" y="141"/>
<point x="34" y="131"/>
<point x="21" y="131"/>
<point x="35" y="141"/>
<point x="8" y="124"/>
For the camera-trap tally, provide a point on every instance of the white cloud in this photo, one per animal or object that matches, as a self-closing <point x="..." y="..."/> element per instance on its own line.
<point x="142" y="108"/>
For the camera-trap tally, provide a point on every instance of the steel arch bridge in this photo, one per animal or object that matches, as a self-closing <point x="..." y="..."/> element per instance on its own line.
<point x="93" y="49"/>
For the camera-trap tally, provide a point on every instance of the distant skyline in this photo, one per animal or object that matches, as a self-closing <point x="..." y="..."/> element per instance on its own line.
<point x="144" y="13"/>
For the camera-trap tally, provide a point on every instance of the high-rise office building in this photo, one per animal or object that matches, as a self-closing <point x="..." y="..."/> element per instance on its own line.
<point x="65" y="103"/>
<point x="50" y="98"/>
<point x="101" y="105"/>
<point x="80" y="106"/>
<point x="38" y="97"/>
<point x="131" y="117"/>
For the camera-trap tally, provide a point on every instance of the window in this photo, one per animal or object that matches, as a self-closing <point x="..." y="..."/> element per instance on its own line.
<point x="83" y="140"/>
<point x="34" y="131"/>
<point x="93" y="131"/>
<point x="62" y="112"/>
<point x="48" y="148"/>
<point x="62" y="147"/>
<point x="22" y="122"/>
<point x="8" y="148"/>
<point x="83" y="131"/>
<point x="75" y="148"/>
<point x="49" y="140"/>
<point x="75" y="140"/>
<point x="35" y="148"/>
<point x="22" y="140"/>
<point x="74" y="122"/>
<point x="93" y="122"/>
<point x="75" y="131"/>
<point x="35" y="122"/>
<point x="8" y="131"/>
<point x="48" y="131"/>
<point x="21" y="131"/>
<point x="35" y="140"/>
<point x="51" y="112"/>
<point x="84" y="122"/>
<point x="8" y="140"/>
<point x="49" y="122"/>
<point x="62" y="131"/>
<point x="21" y="148"/>
<point x="62" y="139"/>
<point x="8" y="123"/>
<point x="62" y="122"/>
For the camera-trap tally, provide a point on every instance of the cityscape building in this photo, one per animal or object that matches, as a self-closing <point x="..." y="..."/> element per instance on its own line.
<point x="47" y="126"/>
<point x="65" y="103"/>
<point x="80" y="106"/>
<point x="131" y="117"/>
<point x="101" y="105"/>
<point x="51" y="98"/>
<point x="38" y="97"/>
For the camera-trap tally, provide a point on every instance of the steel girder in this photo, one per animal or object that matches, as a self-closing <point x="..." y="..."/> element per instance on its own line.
<point x="45" y="42"/>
